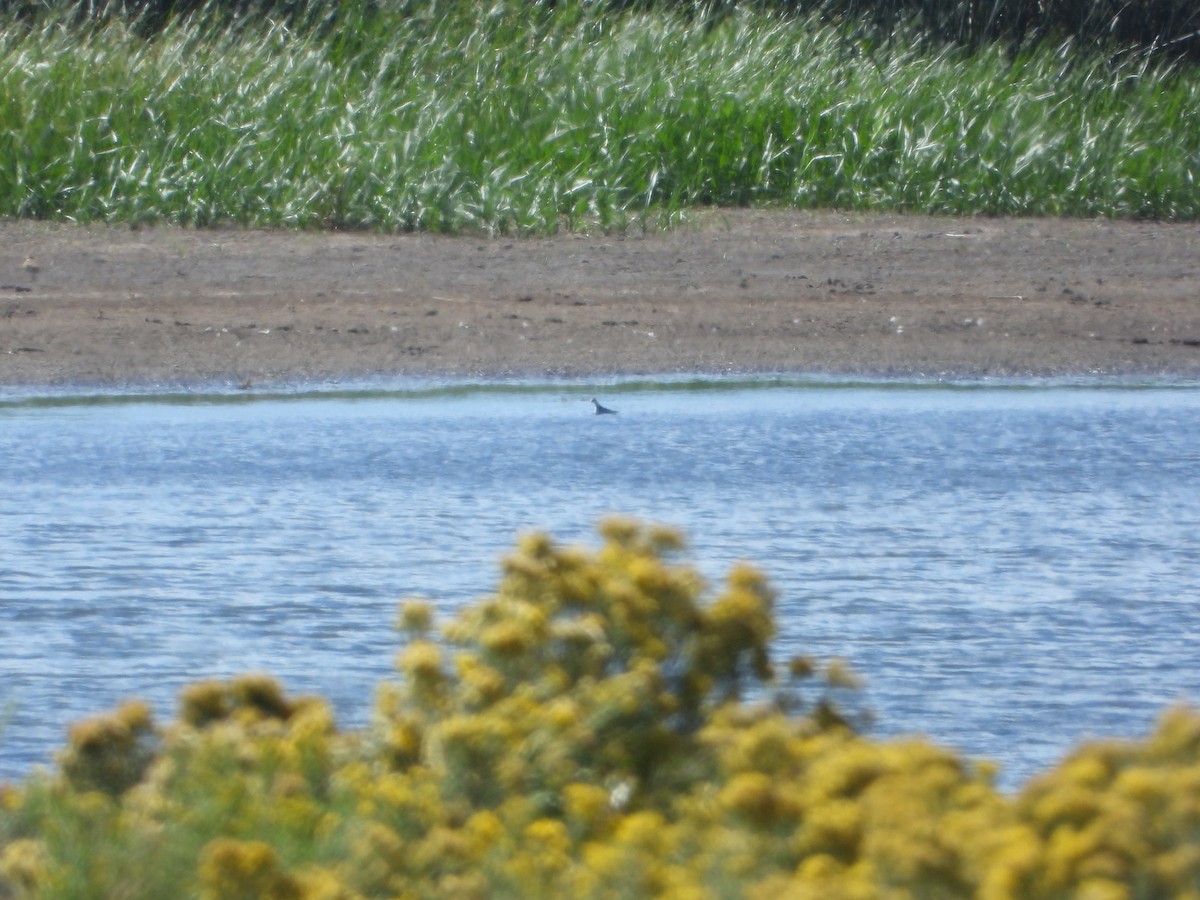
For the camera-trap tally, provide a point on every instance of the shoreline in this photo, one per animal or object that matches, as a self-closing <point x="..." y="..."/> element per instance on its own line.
<point x="611" y="385"/>
<point x="735" y="292"/>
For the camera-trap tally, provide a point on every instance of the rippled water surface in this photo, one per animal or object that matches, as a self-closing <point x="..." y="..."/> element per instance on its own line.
<point x="1012" y="567"/>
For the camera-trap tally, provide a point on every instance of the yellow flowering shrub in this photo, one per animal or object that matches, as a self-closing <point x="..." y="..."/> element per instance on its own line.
<point x="110" y="753"/>
<point x="587" y="731"/>
<point x="583" y="667"/>
<point x="1121" y="818"/>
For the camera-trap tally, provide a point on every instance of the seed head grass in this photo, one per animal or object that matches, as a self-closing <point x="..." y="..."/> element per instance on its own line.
<point x="518" y="117"/>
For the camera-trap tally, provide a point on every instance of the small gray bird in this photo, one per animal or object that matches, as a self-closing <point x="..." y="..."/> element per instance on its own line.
<point x="31" y="268"/>
<point x="602" y="410"/>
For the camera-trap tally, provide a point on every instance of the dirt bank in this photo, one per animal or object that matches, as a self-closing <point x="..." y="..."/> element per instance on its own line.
<point x="734" y="291"/>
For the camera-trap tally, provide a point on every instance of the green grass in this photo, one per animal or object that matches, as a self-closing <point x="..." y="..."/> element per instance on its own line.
<point x="516" y="118"/>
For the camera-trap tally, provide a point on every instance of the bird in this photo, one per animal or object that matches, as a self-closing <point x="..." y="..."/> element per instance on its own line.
<point x="602" y="410"/>
<point x="31" y="268"/>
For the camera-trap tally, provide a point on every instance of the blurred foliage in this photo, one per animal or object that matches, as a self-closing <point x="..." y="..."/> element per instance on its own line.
<point x="599" y="727"/>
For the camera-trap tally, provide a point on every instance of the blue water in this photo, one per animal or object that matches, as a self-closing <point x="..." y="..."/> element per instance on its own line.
<point x="1012" y="567"/>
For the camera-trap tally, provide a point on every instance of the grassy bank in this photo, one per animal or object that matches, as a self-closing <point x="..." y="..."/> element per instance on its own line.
<point x="586" y="732"/>
<point x="523" y="118"/>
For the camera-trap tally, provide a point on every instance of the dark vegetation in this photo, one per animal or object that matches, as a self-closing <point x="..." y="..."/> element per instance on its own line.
<point x="1170" y="27"/>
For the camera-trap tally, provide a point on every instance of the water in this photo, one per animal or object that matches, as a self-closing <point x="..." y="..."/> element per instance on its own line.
<point x="1013" y="567"/>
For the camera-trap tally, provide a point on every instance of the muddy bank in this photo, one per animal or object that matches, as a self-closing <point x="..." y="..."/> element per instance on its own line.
<point x="735" y="291"/>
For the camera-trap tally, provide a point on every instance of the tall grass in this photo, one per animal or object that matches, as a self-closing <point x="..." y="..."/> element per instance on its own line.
<point x="518" y="117"/>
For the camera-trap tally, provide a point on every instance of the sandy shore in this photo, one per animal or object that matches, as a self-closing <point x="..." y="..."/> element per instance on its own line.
<point x="737" y="291"/>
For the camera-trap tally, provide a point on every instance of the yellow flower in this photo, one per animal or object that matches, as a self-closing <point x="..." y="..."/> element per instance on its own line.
<point x="1145" y="785"/>
<point x="262" y="694"/>
<point x="585" y="805"/>
<point x="377" y="856"/>
<point x="585" y="644"/>
<point x="834" y="828"/>
<point x="442" y="849"/>
<point x="819" y="867"/>
<point x="203" y="702"/>
<point x="1177" y="737"/>
<point x="243" y="870"/>
<point x="822" y="877"/>
<point x="646" y="830"/>
<point x="801" y="667"/>
<point x="483" y="833"/>
<point x="24" y="864"/>
<point x="464" y="886"/>
<point x="422" y="660"/>
<point x="416" y="617"/>
<point x="839" y="674"/>
<point x="1068" y="805"/>
<point x="1101" y="889"/>
<point x="482" y="685"/>
<point x="561" y="713"/>
<point x="1179" y="868"/>
<point x="1086" y="770"/>
<point x="754" y="796"/>
<point x="547" y="837"/>
<point x="402" y="739"/>
<point x="765" y="746"/>
<point x="505" y="639"/>
<point x="111" y="752"/>
<point x="317" y="883"/>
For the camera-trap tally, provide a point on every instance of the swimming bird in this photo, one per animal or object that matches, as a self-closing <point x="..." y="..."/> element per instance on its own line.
<point x="602" y="410"/>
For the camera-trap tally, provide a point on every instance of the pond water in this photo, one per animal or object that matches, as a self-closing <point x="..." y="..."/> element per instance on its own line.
<point x="1013" y="567"/>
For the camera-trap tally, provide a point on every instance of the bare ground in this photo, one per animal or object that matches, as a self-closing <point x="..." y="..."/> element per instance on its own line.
<point x="735" y="291"/>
